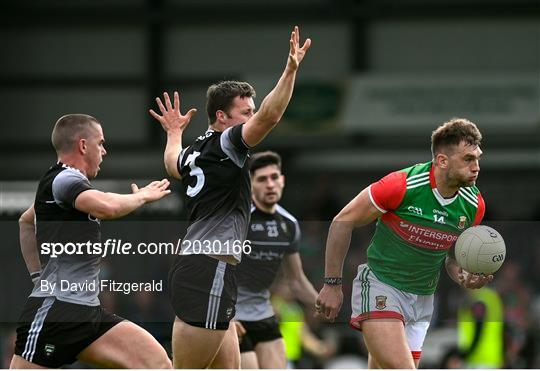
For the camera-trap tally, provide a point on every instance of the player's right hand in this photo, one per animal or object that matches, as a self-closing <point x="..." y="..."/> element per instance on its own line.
<point x="171" y="118"/>
<point x="329" y="302"/>
<point x="153" y="191"/>
<point x="472" y="280"/>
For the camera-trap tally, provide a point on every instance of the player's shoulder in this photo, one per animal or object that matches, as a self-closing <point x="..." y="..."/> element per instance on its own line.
<point x="473" y="190"/>
<point x="413" y="176"/>
<point x="417" y="171"/>
<point x="68" y="174"/>
<point x="285" y="214"/>
<point x="471" y="195"/>
<point x="414" y="172"/>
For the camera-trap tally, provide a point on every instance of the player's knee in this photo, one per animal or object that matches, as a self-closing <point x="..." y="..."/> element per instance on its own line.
<point x="160" y="360"/>
<point x="396" y="363"/>
<point x="155" y="362"/>
<point x="155" y="359"/>
<point x="164" y="362"/>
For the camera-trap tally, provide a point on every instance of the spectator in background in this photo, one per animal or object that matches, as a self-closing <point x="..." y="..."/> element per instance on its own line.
<point x="296" y="333"/>
<point x="481" y="329"/>
<point x="516" y="298"/>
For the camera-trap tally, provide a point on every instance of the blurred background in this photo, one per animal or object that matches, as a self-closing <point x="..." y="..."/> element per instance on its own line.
<point x="379" y="77"/>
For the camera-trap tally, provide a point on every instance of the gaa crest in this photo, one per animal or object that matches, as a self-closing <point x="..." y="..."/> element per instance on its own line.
<point x="462" y="220"/>
<point x="49" y="349"/>
<point x="380" y="302"/>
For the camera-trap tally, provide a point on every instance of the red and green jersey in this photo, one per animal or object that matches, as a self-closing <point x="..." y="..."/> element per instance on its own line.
<point x="418" y="227"/>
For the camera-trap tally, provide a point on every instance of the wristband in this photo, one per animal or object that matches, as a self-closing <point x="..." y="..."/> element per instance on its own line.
<point x="34" y="276"/>
<point x="333" y="281"/>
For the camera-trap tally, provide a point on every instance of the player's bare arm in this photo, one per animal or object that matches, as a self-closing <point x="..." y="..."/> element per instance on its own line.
<point x="300" y="285"/>
<point x="106" y="205"/>
<point x="274" y="104"/>
<point x="174" y="124"/>
<point x="360" y="211"/>
<point x="27" y="237"/>
<point x="462" y="277"/>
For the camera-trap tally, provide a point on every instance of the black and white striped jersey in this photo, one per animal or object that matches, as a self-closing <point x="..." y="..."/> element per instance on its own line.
<point x="58" y="221"/>
<point x="215" y="181"/>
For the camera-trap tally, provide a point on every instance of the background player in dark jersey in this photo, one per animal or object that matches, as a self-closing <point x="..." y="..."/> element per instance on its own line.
<point x="215" y="180"/>
<point x="421" y="210"/>
<point x="62" y="325"/>
<point x="274" y="236"/>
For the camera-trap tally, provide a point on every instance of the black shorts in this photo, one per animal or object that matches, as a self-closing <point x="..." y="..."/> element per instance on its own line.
<point x="259" y="331"/>
<point x="52" y="333"/>
<point x="203" y="291"/>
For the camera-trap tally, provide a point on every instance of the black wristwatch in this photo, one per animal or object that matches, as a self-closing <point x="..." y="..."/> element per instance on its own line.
<point x="333" y="281"/>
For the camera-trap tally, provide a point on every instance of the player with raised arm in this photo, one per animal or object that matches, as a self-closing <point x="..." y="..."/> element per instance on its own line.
<point x="215" y="179"/>
<point x="59" y="326"/>
<point x="420" y="212"/>
<point x="274" y="234"/>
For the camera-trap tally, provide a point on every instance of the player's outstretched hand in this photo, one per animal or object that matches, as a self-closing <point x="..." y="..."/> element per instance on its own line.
<point x="472" y="280"/>
<point x="171" y="118"/>
<point x="296" y="53"/>
<point x="329" y="302"/>
<point x="153" y="191"/>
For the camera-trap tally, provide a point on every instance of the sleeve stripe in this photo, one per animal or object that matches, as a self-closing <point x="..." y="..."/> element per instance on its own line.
<point x="468" y="198"/>
<point x="374" y="203"/>
<point x="180" y="159"/>
<point x="285" y="213"/>
<point x="244" y="143"/>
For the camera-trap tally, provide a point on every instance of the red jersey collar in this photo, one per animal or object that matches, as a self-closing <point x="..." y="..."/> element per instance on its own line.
<point x="432" y="176"/>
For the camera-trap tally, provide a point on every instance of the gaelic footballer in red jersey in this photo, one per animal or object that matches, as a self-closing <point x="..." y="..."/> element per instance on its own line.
<point x="420" y="212"/>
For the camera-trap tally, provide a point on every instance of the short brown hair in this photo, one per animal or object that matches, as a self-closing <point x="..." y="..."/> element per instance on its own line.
<point x="69" y="128"/>
<point x="452" y="133"/>
<point x="263" y="159"/>
<point x="221" y="95"/>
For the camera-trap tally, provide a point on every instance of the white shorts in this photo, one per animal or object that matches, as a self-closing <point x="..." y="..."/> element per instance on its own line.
<point x="373" y="299"/>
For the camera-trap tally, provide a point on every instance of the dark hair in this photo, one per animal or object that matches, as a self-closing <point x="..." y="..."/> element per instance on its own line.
<point x="452" y="133"/>
<point x="263" y="159"/>
<point x="221" y="95"/>
<point x="69" y="128"/>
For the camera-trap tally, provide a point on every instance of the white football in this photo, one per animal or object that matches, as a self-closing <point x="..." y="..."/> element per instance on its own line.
<point x="480" y="249"/>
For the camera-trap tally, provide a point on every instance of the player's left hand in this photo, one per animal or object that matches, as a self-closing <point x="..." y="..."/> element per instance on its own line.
<point x="297" y="53"/>
<point x="473" y="280"/>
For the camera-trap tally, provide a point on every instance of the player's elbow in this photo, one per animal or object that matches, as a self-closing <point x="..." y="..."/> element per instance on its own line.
<point x="269" y="116"/>
<point x="170" y="165"/>
<point x="171" y="170"/>
<point x="25" y="220"/>
<point x="295" y="286"/>
<point x="274" y="117"/>
<point x="105" y="210"/>
<point x="22" y="221"/>
<point x="343" y="222"/>
<point x="341" y="217"/>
